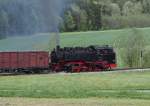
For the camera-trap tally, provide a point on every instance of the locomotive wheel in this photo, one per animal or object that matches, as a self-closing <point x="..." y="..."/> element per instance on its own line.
<point x="69" y="70"/>
<point x="84" y="70"/>
<point x="109" y="68"/>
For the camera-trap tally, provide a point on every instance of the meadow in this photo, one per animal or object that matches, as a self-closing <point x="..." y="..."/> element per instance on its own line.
<point x="43" y="41"/>
<point x="85" y="85"/>
<point x="83" y="89"/>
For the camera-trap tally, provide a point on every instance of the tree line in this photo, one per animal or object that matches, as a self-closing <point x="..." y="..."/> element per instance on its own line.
<point x="84" y="15"/>
<point x="27" y="17"/>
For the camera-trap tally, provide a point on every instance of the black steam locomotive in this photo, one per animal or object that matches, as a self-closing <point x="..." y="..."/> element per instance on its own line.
<point x="78" y="59"/>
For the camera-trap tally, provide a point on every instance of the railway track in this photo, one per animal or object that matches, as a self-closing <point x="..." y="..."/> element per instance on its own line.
<point x="114" y="70"/>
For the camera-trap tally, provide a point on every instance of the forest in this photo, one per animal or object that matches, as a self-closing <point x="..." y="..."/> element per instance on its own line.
<point x="106" y="14"/>
<point x="23" y="18"/>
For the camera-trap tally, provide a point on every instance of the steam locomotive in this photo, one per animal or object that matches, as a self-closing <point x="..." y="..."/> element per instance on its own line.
<point x="67" y="59"/>
<point x="83" y="59"/>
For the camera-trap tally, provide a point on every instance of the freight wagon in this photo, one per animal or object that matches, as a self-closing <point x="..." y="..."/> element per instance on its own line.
<point x="24" y="62"/>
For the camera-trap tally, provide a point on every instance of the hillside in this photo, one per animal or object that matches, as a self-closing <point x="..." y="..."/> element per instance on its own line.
<point x="43" y="41"/>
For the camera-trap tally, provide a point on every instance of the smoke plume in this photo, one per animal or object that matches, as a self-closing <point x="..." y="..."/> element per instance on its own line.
<point x="27" y="17"/>
<point x="53" y="10"/>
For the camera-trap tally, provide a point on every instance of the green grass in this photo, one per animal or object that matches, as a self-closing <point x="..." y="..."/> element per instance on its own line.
<point x="102" y="85"/>
<point x="42" y="41"/>
<point x="107" y="37"/>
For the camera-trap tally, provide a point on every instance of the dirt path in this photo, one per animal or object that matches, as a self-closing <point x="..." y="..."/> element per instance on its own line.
<point x="72" y="102"/>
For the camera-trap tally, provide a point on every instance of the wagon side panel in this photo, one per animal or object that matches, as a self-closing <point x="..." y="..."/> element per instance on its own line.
<point x="43" y="59"/>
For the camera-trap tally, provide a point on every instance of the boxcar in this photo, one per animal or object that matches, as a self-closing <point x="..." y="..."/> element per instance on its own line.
<point x="24" y="61"/>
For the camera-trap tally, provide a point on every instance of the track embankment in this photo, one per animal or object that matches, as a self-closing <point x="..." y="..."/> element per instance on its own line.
<point x="110" y="71"/>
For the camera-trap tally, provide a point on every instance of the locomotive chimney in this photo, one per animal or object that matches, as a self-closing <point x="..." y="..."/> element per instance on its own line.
<point x="57" y="40"/>
<point x="57" y="47"/>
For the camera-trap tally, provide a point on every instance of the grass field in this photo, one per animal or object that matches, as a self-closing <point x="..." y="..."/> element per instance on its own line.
<point x="42" y="41"/>
<point x="107" y="37"/>
<point x="111" y="85"/>
<point x="107" y="89"/>
<point x="73" y="102"/>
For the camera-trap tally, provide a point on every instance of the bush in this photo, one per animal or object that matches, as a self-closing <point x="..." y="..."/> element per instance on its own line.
<point x="131" y="47"/>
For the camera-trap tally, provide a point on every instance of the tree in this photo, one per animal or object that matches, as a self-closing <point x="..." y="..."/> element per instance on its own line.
<point x="115" y="9"/>
<point x="83" y="20"/>
<point x="128" y="8"/>
<point x="80" y="17"/>
<point x="132" y="8"/>
<point x="69" y="21"/>
<point x="76" y="14"/>
<point x="138" y="8"/>
<point x="146" y="6"/>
